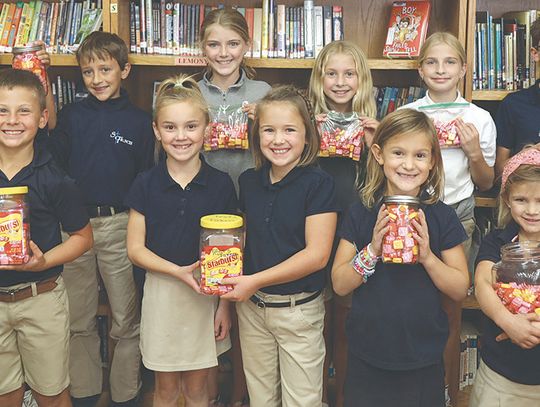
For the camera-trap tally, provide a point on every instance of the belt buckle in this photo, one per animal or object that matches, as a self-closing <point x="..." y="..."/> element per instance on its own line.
<point x="99" y="211"/>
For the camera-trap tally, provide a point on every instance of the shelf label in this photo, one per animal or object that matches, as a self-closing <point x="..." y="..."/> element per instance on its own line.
<point x="114" y="8"/>
<point x="187" y="60"/>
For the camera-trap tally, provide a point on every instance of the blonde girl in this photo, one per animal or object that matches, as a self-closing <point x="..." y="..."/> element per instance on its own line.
<point x="341" y="81"/>
<point x="227" y="81"/>
<point x="397" y="328"/>
<point x="508" y="375"/>
<point x="179" y="326"/>
<point x="290" y="221"/>
<point x="442" y="65"/>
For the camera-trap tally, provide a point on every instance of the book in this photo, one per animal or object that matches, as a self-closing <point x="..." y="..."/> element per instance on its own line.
<point x="407" y="29"/>
<point x="90" y="22"/>
<point x="309" y="29"/>
<point x="257" y="33"/>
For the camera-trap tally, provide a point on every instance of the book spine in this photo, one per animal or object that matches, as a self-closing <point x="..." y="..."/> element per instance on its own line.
<point x="264" y="28"/>
<point x="163" y="24"/>
<point x="14" y="26"/>
<point x="249" y="20"/>
<point x="281" y="31"/>
<point x="327" y="12"/>
<point x="7" y="26"/>
<point x="132" y="35"/>
<point x="318" y="23"/>
<point x="337" y="18"/>
<point x="169" y="26"/>
<point x="148" y="26"/>
<point x="22" y="23"/>
<point x="176" y="27"/>
<point x="257" y="32"/>
<point x="142" y="12"/>
<point x="137" y="28"/>
<point x="309" y="40"/>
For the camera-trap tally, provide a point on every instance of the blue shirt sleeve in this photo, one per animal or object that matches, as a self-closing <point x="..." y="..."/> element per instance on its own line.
<point x="322" y="196"/>
<point x="451" y="231"/>
<point x="135" y="198"/>
<point x="68" y="206"/>
<point x="59" y="141"/>
<point x="504" y="123"/>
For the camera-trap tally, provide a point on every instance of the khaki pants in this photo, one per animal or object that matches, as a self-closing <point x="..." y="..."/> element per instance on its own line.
<point x="109" y="257"/>
<point x="34" y="342"/>
<point x="492" y="389"/>
<point x="283" y="351"/>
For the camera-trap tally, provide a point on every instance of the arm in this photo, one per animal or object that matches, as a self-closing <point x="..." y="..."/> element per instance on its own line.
<point x="45" y="59"/>
<point x="77" y="243"/>
<point x="141" y="256"/>
<point x="222" y="319"/>
<point x="370" y="126"/>
<point x="481" y="173"/>
<point x="519" y="328"/>
<point x="320" y="230"/>
<point x="449" y="274"/>
<point x="503" y="154"/>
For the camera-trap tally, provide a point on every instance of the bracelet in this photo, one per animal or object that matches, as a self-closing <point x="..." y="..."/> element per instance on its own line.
<point x="364" y="262"/>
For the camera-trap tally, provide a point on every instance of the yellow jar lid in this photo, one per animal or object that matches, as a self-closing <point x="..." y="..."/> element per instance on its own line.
<point x="13" y="190"/>
<point x="222" y="221"/>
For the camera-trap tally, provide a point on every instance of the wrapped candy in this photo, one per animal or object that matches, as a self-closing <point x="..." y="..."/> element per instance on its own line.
<point x="228" y="129"/>
<point x="444" y="116"/>
<point x="26" y="58"/>
<point x="519" y="298"/>
<point x="342" y="135"/>
<point x="399" y="246"/>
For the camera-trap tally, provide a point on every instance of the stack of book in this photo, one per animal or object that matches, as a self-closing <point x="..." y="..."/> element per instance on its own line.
<point x="67" y="91"/>
<point x="502" y="51"/>
<point x="469" y="355"/>
<point x="168" y="27"/>
<point x="390" y="98"/>
<point x="62" y="26"/>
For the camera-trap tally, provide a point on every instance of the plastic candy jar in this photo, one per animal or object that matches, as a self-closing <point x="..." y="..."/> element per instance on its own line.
<point x="221" y="244"/>
<point x="517" y="277"/>
<point x="399" y="246"/>
<point x="14" y="226"/>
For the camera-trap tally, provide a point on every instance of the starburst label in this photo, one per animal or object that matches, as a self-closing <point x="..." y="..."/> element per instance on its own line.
<point x="217" y="263"/>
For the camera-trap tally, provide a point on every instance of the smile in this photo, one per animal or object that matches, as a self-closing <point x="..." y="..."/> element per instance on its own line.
<point x="12" y="132"/>
<point x="280" y="150"/>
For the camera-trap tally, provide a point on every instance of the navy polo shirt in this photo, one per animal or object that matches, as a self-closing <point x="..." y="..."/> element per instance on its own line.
<point x="172" y="214"/>
<point x="276" y="220"/>
<point x="103" y="146"/>
<point x="509" y="360"/>
<point x="396" y="320"/>
<point x="53" y="200"/>
<point x="518" y="119"/>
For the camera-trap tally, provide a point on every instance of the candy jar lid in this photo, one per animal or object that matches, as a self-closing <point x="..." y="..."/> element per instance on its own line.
<point x="222" y="221"/>
<point x="25" y="48"/>
<point x="401" y="199"/>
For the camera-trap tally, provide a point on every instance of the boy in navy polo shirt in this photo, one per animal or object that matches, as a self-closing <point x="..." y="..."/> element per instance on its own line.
<point x="34" y="330"/>
<point x="104" y="142"/>
<point x="518" y="116"/>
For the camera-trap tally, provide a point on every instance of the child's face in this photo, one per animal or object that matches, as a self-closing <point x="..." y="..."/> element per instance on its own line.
<point x="340" y="82"/>
<point x="524" y="203"/>
<point x="407" y="159"/>
<point x="180" y="128"/>
<point x="441" y="71"/>
<point x="20" y="117"/>
<point x="282" y="135"/>
<point x="103" y="77"/>
<point x="224" y="50"/>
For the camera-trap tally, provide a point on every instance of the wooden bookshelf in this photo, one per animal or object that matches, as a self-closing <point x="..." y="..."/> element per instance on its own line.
<point x="490" y="95"/>
<point x="470" y="302"/>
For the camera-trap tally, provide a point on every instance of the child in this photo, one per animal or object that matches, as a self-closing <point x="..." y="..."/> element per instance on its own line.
<point x="228" y="82"/>
<point x="518" y="115"/>
<point x="290" y="214"/>
<point x="397" y="328"/>
<point x="103" y="142"/>
<point x="34" y="329"/>
<point x="341" y="81"/>
<point x="167" y="202"/>
<point x="442" y="64"/>
<point x="508" y="375"/>
<point x="224" y="39"/>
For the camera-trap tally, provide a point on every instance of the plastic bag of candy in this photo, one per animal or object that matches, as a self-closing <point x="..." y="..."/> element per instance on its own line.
<point x="228" y="128"/>
<point x="517" y="277"/>
<point x="342" y="135"/>
<point x="444" y="116"/>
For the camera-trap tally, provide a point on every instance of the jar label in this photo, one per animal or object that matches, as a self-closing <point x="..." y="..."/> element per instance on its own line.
<point x="218" y="262"/>
<point x="13" y="242"/>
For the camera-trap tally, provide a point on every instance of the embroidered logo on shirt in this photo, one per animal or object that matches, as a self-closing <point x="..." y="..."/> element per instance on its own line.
<point x="118" y="138"/>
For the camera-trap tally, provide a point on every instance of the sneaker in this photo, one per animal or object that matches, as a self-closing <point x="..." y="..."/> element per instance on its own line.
<point x="89" y="401"/>
<point x="28" y="400"/>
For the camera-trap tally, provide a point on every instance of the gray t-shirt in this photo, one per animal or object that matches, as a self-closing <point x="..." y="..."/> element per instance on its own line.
<point x="233" y="162"/>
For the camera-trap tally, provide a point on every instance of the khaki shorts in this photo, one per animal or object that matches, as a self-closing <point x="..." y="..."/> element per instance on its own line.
<point x="492" y="389"/>
<point x="34" y="338"/>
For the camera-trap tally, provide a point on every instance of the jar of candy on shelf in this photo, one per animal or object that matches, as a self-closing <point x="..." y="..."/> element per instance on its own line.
<point x="516" y="278"/>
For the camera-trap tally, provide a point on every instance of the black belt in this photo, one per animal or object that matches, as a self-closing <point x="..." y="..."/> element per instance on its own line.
<point x="99" y="211"/>
<point x="262" y="304"/>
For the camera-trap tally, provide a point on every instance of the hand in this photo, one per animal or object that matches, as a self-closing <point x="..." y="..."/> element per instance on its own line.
<point x="370" y="126"/>
<point x="249" y="108"/>
<point x="36" y="263"/>
<point x="185" y="274"/>
<point x="422" y="237"/>
<point x="42" y="54"/>
<point x="244" y="288"/>
<point x="468" y="137"/>
<point x="321" y="117"/>
<point x="521" y="329"/>
<point x="380" y="229"/>
<point x="222" y="320"/>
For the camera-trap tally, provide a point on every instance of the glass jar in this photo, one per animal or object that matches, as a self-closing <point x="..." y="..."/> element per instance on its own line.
<point x="221" y="244"/>
<point x="26" y="58"/>
<point x="516" y="278"/>
<point x="14" y="226"/>
<point x="399" y="246"/>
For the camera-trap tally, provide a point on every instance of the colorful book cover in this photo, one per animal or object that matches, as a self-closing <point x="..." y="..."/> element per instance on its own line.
<point x="90" y="22"/>
<point x="407" y="29"/>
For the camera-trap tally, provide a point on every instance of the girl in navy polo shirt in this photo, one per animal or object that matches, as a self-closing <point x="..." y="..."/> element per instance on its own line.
<point x="179" y="326"/>
<point x="291" y="215"/>
<point x="397" y="328"/>
<point x="509" y="373"/>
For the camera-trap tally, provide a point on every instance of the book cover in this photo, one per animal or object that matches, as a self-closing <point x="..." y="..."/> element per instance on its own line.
<point x="22" y="24"/>
<point x="249" y="20"/>
<point x="257" y="32"/>
<point x="90" y="22"/>
<point x="3" y="16"/>
<point x="318" y="23"/>
<point x="407" y="29"/>
<point x="15" y="25"/>
<point x="7" y="26"/>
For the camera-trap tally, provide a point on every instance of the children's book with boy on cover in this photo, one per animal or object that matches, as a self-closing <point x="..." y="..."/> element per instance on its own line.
<point x="407" y="29"/>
